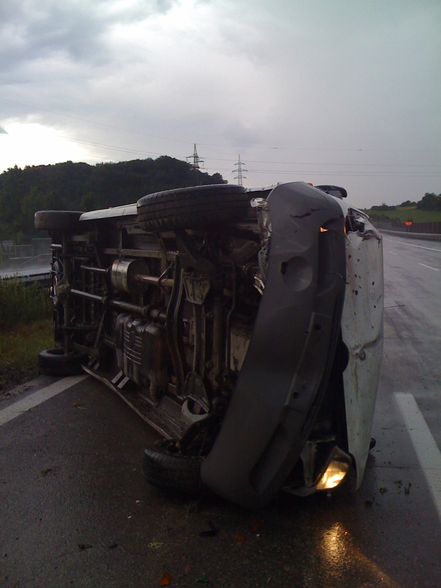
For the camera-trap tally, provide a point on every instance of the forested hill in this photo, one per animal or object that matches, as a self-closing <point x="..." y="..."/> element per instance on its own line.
<point x="79" y="186"/>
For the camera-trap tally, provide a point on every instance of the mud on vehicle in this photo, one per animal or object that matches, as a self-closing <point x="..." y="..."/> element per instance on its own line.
<point x="245" y="327"/>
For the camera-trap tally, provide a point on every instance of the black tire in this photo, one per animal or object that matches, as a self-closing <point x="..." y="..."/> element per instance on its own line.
<point x="175" y="472"/>
<point x="57" y="220"/>
<point x="193" y="208"/>
<point x="54" y="362"/>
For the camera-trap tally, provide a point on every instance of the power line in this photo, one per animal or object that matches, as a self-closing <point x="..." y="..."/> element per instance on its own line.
<point x="370" y="164"/>
<point x="42" y="109"/>
<point x="356" y="171"/>
<point x="140" y="152"/>
<point x="352" y="173"/>
<point x="111" y="147"/>
<point x="200" y="160"/>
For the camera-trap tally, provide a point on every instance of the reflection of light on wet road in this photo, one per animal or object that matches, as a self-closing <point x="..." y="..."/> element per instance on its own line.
<point x="339" y="556"/>
<point x="335" y="546"/>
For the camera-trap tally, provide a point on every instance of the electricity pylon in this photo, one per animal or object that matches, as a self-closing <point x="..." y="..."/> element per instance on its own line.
<point x="239" y="171"/>
<point x="196" y="160"/>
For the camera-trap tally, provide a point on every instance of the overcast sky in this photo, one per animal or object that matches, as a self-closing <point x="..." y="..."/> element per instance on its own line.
<point x="324" y="91"/>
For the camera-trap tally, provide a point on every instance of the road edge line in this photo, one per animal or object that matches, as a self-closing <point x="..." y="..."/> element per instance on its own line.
<point x="427" y="451"/>
<point x="21" y="406"/>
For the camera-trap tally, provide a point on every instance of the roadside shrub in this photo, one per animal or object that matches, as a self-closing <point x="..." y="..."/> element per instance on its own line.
<point x="383" y="207"/>
<point x="22" y="303"/>
<point x="430" y="201"/>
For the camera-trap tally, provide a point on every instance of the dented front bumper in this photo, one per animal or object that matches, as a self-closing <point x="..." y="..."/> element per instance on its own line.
<point x="288" y="364"/>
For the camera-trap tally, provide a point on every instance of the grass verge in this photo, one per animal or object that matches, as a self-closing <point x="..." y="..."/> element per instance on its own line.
<point x="19" y="348"/>
<point x="408" y="213"/>
<point x="25" y="329"/>
<point x="22" y="303"/>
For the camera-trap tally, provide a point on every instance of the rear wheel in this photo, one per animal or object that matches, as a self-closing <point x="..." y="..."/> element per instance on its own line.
<point x="57" y="220"/>
<point x="54" y="362"/>
<point x="195" y="207"/>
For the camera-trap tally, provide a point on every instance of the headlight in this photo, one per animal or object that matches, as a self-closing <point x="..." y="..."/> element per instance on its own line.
<point x="336" y="470"/>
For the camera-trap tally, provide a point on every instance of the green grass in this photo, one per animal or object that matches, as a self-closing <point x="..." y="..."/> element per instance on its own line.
<point x="408" y="213"/>
<point x="22" y="303"/>
<point x="25" y="329"/>
<point x="19" y="347"/>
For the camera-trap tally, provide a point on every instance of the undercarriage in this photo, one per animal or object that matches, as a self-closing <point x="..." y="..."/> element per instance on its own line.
<point x="164" y="320"/>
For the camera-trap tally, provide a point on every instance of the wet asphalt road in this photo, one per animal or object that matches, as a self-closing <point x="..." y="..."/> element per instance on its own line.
<point x="75" y="510"/>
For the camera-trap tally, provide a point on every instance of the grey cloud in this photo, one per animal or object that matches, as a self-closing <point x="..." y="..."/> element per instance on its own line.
<point x="75" y="29"/>
<point x="336" y="87"/>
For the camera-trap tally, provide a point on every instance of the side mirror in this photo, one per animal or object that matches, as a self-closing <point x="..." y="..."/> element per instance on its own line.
<point x="333" y="191"/>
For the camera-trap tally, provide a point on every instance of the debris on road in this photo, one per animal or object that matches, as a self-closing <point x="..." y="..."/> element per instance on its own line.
<point x="211" y="532"/>
<point x="46" y="471"/>
<point x="256" y="526"/>
<point x="240" y="538"/>
<point x="166" y="580"/>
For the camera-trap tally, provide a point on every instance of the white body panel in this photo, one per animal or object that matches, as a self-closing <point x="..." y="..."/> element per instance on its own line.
<point x="362" y="333"/>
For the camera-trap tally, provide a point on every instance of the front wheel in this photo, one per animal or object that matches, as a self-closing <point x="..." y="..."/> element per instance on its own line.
<point x="173" y="471"/>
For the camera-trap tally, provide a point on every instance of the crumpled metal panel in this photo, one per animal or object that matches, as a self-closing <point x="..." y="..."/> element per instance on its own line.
<point x="287" y="366"/>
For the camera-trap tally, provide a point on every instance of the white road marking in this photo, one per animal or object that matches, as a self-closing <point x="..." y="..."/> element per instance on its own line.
<point x="435" y="269"/>
<point x="393" y="252"/>
<point x="422" y="247"/>
<point x="424" y="444"/>
<point x="33" y="400"/>
<point x="413" y="245"/>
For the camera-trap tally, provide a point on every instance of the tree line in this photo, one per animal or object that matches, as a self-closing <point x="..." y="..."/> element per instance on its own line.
<point x="430" y="201"/>
<point x="79" y="186"/>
